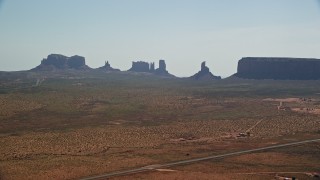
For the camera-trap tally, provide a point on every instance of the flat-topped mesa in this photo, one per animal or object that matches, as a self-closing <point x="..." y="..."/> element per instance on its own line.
<point x="76" y="62"/>
<point x="204" y="74"/>
<point x="278" y="68"/>
<point x="107" y="67"/>
<point x="140" y="66"/>
<point x="58" y="61"/>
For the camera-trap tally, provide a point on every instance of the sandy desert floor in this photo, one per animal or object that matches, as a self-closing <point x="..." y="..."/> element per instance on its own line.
<point x="69" y="128"/>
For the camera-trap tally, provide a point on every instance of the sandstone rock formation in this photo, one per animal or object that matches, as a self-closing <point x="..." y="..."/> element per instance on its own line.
<point x="140" y="66"/>
<point x="278" y="68"/>
<point x="162" y="70"/>
<point x="152" y="67"/>
<point x="76" y="62"/>
<point x="204" y="74"/>
<point x="57" y="61"/>
<point x="107" y="67"/>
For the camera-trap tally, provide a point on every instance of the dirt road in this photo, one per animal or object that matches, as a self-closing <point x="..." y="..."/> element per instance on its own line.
<point x="189" y="161"/>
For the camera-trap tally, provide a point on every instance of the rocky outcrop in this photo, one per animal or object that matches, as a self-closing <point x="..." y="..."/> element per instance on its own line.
<point x="278" y="68"/>
<point x="204" y="74"/>
<point x="57" y="61"/>
<point x="76" y="62"/>
<point x="140" y="66"/>
<point x="152" y="67"/>
<point x="162" y="70"/>
<point x="107" y="67"/>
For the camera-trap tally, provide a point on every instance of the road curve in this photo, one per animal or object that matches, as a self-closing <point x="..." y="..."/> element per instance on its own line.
<point x="189" y="161"/>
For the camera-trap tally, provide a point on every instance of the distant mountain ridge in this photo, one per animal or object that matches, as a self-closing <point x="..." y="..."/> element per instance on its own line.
<point x="277" y="68"/>
<point x="55" y="62"/>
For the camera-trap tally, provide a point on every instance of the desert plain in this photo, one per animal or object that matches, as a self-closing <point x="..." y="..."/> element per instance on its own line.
<point x="72" y="125"/>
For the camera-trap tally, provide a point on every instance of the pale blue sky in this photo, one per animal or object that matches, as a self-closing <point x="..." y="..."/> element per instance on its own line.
<point x="183" y="32"/>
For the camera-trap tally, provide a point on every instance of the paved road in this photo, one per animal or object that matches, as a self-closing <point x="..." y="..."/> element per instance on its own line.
<point x="189" y="161"/>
